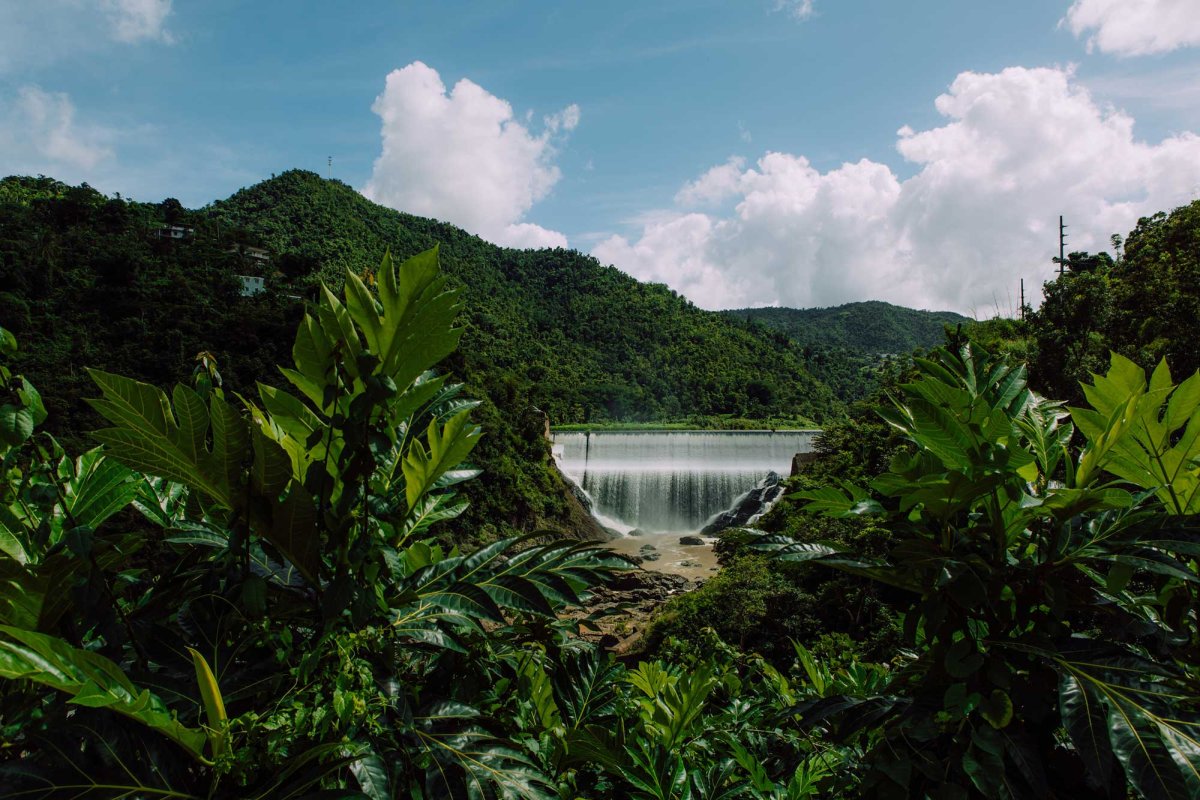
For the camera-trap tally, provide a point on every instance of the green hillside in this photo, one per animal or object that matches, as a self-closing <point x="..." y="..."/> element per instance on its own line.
<point x="90" y="281"/>
<point x="849" y="347"/>
<point x="870" y="327"/>
<point x="582" y="341"/>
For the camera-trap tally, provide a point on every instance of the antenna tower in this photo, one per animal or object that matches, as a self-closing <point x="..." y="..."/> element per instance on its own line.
<point x="1062" y="246"/>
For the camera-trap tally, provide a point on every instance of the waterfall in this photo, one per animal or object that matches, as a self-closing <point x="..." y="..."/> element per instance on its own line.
<point x="672" y="480"/>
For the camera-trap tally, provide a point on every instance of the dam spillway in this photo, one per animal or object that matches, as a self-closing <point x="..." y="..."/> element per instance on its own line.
<point x="672" y="480"/>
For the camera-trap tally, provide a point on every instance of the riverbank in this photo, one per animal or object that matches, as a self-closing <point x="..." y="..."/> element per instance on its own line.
<point x="664" y="552"/>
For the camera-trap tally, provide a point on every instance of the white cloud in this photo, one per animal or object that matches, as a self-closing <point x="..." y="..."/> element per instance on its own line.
<point x="715" y="186"/>
<point x="565" y="120"/>
<point x="800" y="9"/>
<point x="461" y="156"/>
<point x="42" y="132"/>
<point x="39" y="134"/>
<point x="1017" y="149"/>
<point x="1135" y="27"/>
<point x="37" y="33"/>
<point x="139" y="20"/>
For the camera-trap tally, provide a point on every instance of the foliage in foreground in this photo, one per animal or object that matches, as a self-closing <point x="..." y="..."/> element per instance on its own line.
<point x="1054" y="636"/>
<point x="241" y="597"/>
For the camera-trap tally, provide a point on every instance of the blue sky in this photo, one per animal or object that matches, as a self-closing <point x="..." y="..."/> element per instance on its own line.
<point x="1085" y="108"/>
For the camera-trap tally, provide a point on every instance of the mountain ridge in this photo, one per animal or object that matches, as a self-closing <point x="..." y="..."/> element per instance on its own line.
<point x="868" y="326"/>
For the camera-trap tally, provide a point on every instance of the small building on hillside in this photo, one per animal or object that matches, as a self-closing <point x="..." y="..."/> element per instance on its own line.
<point x="175" y="233"/>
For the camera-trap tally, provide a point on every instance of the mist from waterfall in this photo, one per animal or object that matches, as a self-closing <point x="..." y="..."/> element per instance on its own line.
<point x="672" y="480"/>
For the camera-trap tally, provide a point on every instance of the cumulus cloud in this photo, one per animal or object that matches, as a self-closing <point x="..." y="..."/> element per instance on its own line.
<point x="139" y="20"/>
<point x="40" y="134"/>
<point x="1017" y="149"/>
<point x="463" y="157"/>
<point x="1135" y="27"/>
<point x="718" y="184"/>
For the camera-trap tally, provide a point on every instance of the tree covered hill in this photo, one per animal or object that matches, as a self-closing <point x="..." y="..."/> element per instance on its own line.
<point x="582" y="341"/>
<point x="92" y="281"/>
<point x="849" y="347"/>
<point x="869" y="327"/>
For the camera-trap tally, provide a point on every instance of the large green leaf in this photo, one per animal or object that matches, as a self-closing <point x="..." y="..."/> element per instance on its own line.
<point x="91" y="680"/>
<point x="95" y="488"/>
<point x="1147" y="433"/>
<point x="472" y="763"/>
<point x="202" y="447"/>
<point x="1085" y="718"/>
<point x="294" y="532"/>
<point x="1155" y="739"/>
<point x="449" y="445"/>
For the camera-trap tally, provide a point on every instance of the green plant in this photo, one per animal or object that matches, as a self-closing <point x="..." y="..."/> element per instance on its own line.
<point x="285" y="564"/>
<point x="1053" y="636"/>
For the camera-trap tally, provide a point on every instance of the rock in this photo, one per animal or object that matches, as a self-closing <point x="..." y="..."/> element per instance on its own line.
<point x="800" y="461"/>
<point x="646" y="548"/>
<point x="691" y="540"/>
<point x="689" y="563"/>
<point x="579" y="494"/>
<point x="637" y="532"/>
<point x="656" y="585"/>
<point x="626" y="606"/>
<point x="651" y="556"/>
<point x="749" y="506"/>
<point x="580" y="522"/>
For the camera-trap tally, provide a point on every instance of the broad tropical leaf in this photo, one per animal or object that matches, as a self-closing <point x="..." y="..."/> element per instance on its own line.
<point x="173" y="441"/>
<point x="91" y="680"/>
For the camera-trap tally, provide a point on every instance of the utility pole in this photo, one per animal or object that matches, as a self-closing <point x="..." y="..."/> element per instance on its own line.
<point x="329" y="174"/>
<point x="1062" y="246"/>
<point x="1022" y="299"/>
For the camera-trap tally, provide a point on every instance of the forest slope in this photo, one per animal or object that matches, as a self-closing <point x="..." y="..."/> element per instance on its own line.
<point x="870" y="327"/>
<point x="582" y="341"/>
<point x="92" y="281"/>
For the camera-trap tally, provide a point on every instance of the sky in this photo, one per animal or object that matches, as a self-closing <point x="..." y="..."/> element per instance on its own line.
<point x="744" y="152"/>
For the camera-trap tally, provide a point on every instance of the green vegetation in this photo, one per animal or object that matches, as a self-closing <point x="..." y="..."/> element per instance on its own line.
<point x="278" y="620"/>
<point x="248" y="590"/>
<point x="1144" y="305"/>
<point x="871" y="327"/>
<point x="240" y="597"/>
<point x="90" y="281"/>
<point x="854" y="347"/>
<point x="1054" y="591"/>
<point x="583" y="342"/>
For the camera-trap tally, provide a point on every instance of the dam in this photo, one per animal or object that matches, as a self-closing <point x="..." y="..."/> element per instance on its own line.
<point x="672" y="481"/>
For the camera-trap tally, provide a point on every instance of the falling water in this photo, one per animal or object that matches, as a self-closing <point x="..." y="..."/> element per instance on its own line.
<point x="672" y="480"/>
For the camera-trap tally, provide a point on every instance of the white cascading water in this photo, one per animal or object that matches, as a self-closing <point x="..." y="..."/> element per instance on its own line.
<point x="672" y="480"/>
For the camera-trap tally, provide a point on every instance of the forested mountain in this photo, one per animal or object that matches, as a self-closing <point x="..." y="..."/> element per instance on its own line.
<point x="582" y="341"/>
<point x="849" y="347"/>
<point x="140" y="289"/>
<point x="870" y="327"/>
